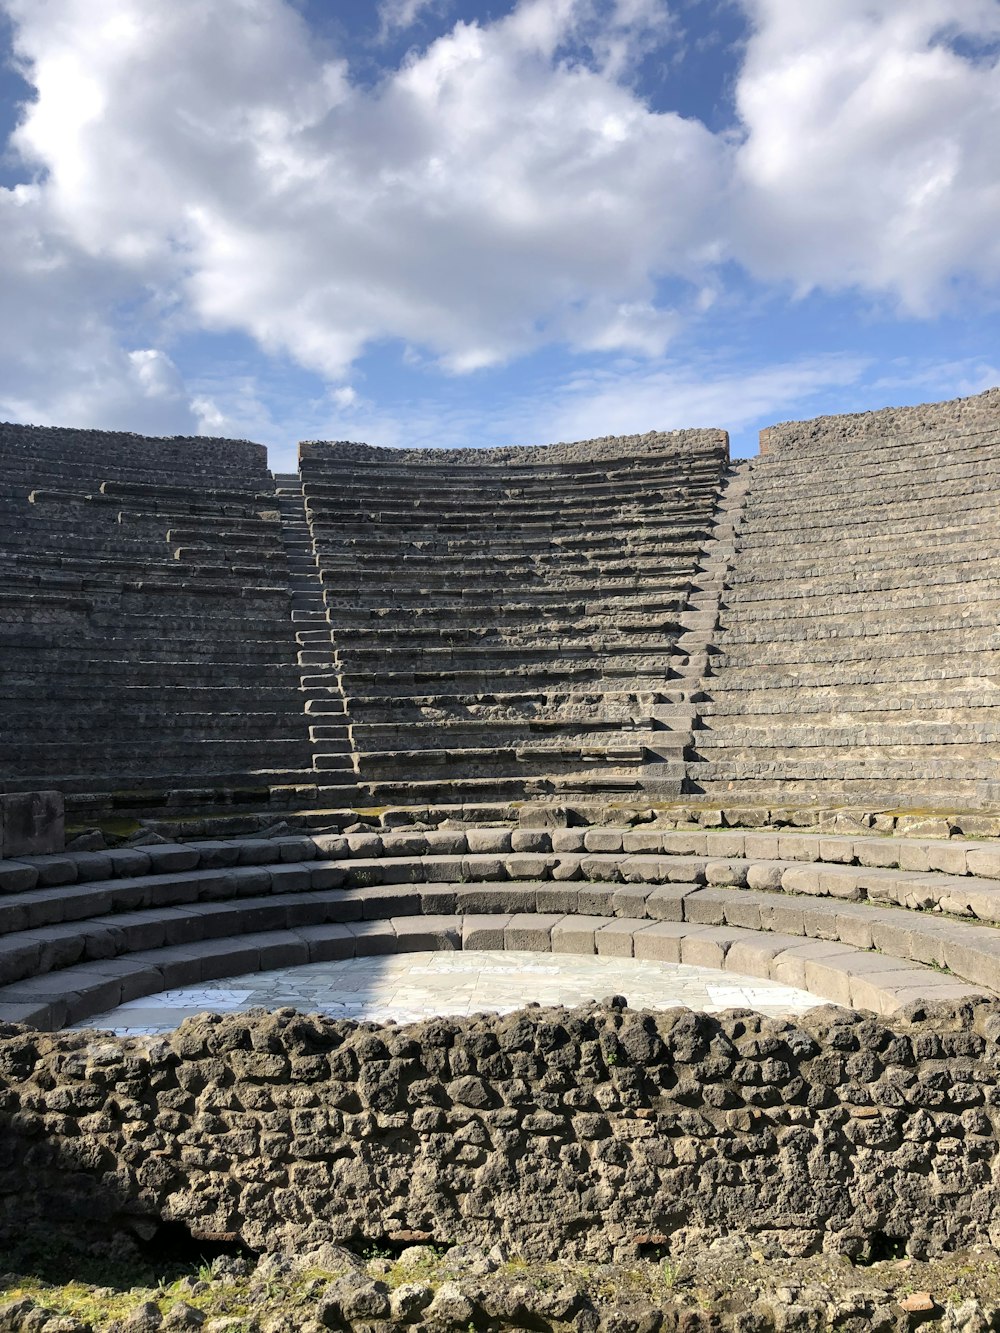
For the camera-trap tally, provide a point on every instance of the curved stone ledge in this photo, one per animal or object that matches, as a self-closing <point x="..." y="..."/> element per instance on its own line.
<point x="951" y="856"/>
<point x="822" y="964"/>
<point x="871" y="936"/>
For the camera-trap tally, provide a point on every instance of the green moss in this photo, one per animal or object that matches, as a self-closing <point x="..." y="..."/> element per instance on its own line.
<point x="119" y="828"/>
<point x="99" y="1305"/>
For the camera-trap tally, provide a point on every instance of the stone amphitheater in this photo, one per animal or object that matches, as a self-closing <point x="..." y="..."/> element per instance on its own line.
<point x="624" y="699"/>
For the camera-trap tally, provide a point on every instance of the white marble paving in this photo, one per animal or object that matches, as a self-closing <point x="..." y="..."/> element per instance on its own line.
<point x="408" y="987"/>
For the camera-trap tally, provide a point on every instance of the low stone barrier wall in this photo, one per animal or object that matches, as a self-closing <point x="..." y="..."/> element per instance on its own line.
<point x="596" y="1132"/>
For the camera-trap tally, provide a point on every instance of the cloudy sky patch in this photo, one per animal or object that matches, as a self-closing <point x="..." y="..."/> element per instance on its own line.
<point x="438" y="221"/>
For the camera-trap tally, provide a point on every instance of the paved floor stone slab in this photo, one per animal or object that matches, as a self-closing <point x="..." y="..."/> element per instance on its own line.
<point x="409" y="987"/>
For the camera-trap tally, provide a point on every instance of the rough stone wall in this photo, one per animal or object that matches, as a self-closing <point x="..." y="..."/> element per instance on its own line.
<point x="106" y="452"/>
<point x="817" y="436"/>
<point x="590" y="1132"/>
<point x="712" y="443"/>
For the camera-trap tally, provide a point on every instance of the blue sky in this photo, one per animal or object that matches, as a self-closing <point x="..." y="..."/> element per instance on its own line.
<point x="421" y="222"/>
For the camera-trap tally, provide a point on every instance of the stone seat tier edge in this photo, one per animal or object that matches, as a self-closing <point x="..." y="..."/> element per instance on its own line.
<point x="850" y="953"/>
<point x="599" y="882"/>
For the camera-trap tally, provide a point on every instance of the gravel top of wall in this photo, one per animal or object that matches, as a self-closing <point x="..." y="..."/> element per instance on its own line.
<point x="610" y="447"/>
<point x="955" y="416"/>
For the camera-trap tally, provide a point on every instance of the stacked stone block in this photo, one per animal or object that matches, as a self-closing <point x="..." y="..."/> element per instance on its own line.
<point x="858" y="651"/>
<point x="591" y="1134"/>
<point x="511" y="621"/>
<point x="144" y="614"/>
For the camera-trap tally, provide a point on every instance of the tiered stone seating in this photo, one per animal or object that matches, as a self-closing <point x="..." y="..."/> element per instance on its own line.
<point x="858" y="652"/>
<point x="873" y="922"/>
<point x="144" y="615"/>
<point x="513" y="620"/>
<point x="418" y="628"/>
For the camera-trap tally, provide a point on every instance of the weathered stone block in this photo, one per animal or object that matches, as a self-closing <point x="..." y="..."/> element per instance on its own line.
<point x="532" y="931"/>
<point x="666" y="902"/>
<point x="484" y="931"/>
<point x="660" y="942"/>
<point x="488" y="840"/>
<point x="617" y="938"/>
<point x="575" y="934"/>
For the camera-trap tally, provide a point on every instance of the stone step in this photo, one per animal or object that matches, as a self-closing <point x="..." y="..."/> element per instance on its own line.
<point x="491" y="788"/>
<point x="499" y="762"/>
<point x="901" y="649"/>
<point x="336" y="762"/>
<point x="503" y="485"/>
<point x="928" y="698"/>
<point x="481" y="560"/>
<point x="127" y="750"/>
<point x="830" y="608"/>
<point x="377" y="735"/>
<point x="365" y="602"/>
<point x="805" y="772"/>
<point x="899" y="560"/>
<point x="484" y="656"/>
<point x="924" y="466"/>
<point x="507" y="703"/>
<point x="559" y="521"/>
<point x="45" y="964"/>
<point x="22" y="726"/>
<point x="900" y="734"/>
<point x="552" y="675"/>
<point x="976" y="626"/>
<point x="335" y="738"/>
<point x="326" y="706"/>
<point x="531" y="633"/>
<point x="962" y="858"/>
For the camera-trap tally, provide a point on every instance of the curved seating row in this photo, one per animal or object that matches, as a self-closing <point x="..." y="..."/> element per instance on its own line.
<point x="473" y="597"/>
<point x="857" y="649"/>
<point x="144" y="587"/>
<point x="840" y="917"/>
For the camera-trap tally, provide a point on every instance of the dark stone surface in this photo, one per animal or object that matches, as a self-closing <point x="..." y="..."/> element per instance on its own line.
<point x="552" y="1132"/>
<point x="32" y="823"/>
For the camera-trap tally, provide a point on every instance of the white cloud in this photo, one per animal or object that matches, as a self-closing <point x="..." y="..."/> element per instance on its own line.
<point x="61" y="360"/>
<point x="399" y="15"/>
<point x="872" y="157"/>
<point x="484" y="199"/>
<point x="203" y="168"/>
<point x="634" y="399"/>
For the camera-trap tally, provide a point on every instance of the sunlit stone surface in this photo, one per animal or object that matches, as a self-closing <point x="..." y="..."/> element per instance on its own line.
<point x="419" y="985"/>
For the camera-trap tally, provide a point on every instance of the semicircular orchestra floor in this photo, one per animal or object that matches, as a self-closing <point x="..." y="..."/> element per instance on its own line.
<point x="409" y="987"/>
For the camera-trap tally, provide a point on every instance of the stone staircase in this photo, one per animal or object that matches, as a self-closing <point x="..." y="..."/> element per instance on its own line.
<point x="700" y="621"/>
<point x="324" y="704"/>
